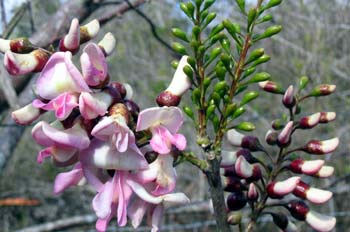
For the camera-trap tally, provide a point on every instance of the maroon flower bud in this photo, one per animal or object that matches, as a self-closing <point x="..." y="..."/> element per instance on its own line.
<point x="252" y="193"/>
<point x="314" y="195"/>
<point x="283" y="223"/>
<point x="284" y="138"/>
<point x="272" y="87"/>
<point x="309" y="121"/>
<point x="288" y="97"/>
<point x="298" y="209"/>
<point x="327" y="117"/>
<point x="232" y="184"/>
<point x="239" y="140"/>
<point x="247" y="155"/>
<point x="71" y="41"/>
<point x="18" y="45"/>
<point x="166" y="98"/>
<point x="236" y="201"/>
<point x="323" y="90"/>
<point x="119" y="87"/>
<point x="321" y="147"/>
<point x="279" y="189"/>
<point x="114" y="93"/>
<point x="247" y="171"/>
<point x="229" y="171"/>
<point x="271" y="137"/>
<point x="301" y="166"/>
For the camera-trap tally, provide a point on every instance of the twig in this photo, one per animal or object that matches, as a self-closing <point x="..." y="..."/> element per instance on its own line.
<point x="3" y="15"/>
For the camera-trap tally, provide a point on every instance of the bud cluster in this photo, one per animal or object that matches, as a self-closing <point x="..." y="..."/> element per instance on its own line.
<point x="126" y="155"/>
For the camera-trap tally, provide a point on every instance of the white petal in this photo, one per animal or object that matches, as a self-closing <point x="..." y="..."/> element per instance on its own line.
<point x="320" y="222"/>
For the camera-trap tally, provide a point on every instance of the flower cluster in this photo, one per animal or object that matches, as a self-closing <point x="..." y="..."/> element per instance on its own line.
<point x="125" y="155"/>
<point x="250" y="179"/>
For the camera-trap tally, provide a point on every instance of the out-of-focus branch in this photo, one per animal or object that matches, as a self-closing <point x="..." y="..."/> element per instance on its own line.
<point x="14" y="21"/>
<point x="3" y="15"/>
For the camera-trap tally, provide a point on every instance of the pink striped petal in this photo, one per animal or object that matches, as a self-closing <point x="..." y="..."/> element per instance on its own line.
<point x="92" y="105"/>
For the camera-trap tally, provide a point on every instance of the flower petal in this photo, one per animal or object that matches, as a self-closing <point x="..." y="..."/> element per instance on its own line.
<point x="66" y="179"/>
<point x="92" y="105"/>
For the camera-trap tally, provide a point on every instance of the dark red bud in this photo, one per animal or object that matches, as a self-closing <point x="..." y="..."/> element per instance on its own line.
<point x="42" y="58"/>
<point x="280" y="220"/>
<point x="230" y="171"/>
<point x="295" y="166"/>
<point x="271" y="192"/>
<point x="166" y="98"/>
<point x="236" y="201"/>
<point x="298" y="209"/>
<point x="119" y="87"/>
<point x="301" y="189"/>
<point x="247" y="155"/>
<point x="114" y="93"/>
<point x="252" y="143"/>
<point x="21" y="45"/>
<point x="233" y="184"/>
<point x="63" y="48"/>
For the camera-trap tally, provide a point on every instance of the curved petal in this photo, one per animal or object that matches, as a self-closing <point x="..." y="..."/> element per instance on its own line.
<point x="92" y="105"/>
<point x="102" y="202"/>
<point x="45" y="153"/>
<point x="136" y="211"/>
<point x="160" y="141"/>
<point x="124" y="194"/>
<point x="170" y="117"/>
<point x="67" y="179"/>
<point x="166" y="175"/>
<point x="26" y="115"/>
<point x="157" y="217"/>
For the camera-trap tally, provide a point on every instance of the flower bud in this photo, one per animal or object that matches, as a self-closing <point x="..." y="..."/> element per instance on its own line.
<point x="321" y="147"/>
<point x="278" y="124"/>
<point x="284" y="137"/>
<point x="255" y="55"/>
<point x="119" y="109"/>
<point x="288" y="97"/>
<point x="248" y="97"/>
<point x="252" y="193"/>
<point x="234" y="218"/>
<point x="314" y="195"/>
<point x="298" y="209"/>
<point x="326" y="117"/>
<point x="325" y="172"/>
<point x="309" y="122"/>
<point x="283" y="223"/>
<point x="179" y="48"/>
<point x="260" y="77"/>
<point x="272" y="87"/>
<point x="323" y="90"/>
<point x="178" y="33"/>
<point x="119" y="87"/>
<point x="245" y="126"/>
<point x="19" y="64"/>
<point x="229" y="171"/>
<point x="26" y="115"/>
<point x="239" y="140"/>
<point x="133" y="108"/>
<point x="89" y="31"/>
<point x="178" y="86"/>
<point x="232" y="184"/>
<point x="18" y="45"/>
<point x="271" y="137"/>
<point x="71" y="41"/>
<point x="247" y="171"/>
<point x="281" y="188"/>
<point x="269" y="32"/>
<point x="129" y="91"/>
<point x="303" y="81"/>
<point x="107" y="44"/>
<point x="236" y="201"/>
<point x="306" y="167"/>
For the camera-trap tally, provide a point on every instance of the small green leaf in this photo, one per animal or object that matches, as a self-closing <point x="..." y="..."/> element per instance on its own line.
<point x="260" y="60"/>
<point x="248" y="97"/>
<point x="204" y="15"/>
<point x="178" y="33"/>
<point x="255" y="55"/>
<point x="216" y="29"/>
<point x="262" y="76"/>
<point x="245" y="126"/>
<point x="208" y="3"/>
<point x="272" y="3"/>
<point x="196" y="30"/>
<point x="216" y="123"/>
<point x="251" y="17"/>
<point x="184" y="8"/>
<point x="241" y="5"/>
<point x="189" y="112"/>
<point x="209" y="19"/>
<point x="269" y="32"/>
<point x="179" y="48"/>
<point x="206" y="83"/>
<point x="266" y="18"/>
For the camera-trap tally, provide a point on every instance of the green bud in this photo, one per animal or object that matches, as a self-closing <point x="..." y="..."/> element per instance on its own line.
<point x="216" y="37"/>
<point x="216" y="122"/>
<point x="201" y="50"/>
<point x="220" y="72"/>
<point x="209" y="19"/>
<point x="303" y="81"/>
<point x="231" y="28"/>
<point x="179" y="48"/>
<point x="208" y="3"/>
<point x="178" y="33"/>
<point x="215" y="53"/>
<point x="226" y="45"/>
<point x="196" y="95"/>
<point x="188" y="71"/>
<point x="206" y="82"/>
<point x="278" y="124"/>
<point x="259" y="77"/>
<point x="226" y="99"/>
<point x="204" y="14"/>
<point x="196" y="30"/>
<point x="191" y="61"/>
<point x="241" y="5"/>
<point x="240" y="89"/>
<point x="255" y="55"/>
<point x="190" y="8"/>
<point x="239" y="111"/>
<point x="210" y="111"/>
<point x="248" y="97"/>
<point x="248" y="72"/>
<point x="174" y="64"/>
<point x="185" y="9"/>
<point x="322" y="90"/>
<point x="189" y="112"/>
<point x="221" y="88"/>
<point x="226" y="60"/>
<point x="230" y="109"/>
<point x="266" y="18"/>
<point x="260" y="60"/>
<point x="216" y="29"/>
<point x="216" y="98"/>
<point x="251" y="16"/>
<point x="245" y="126"/>
<point x="269" y="32"/>
<point x="272" y="3"/>
<point x="198" y="3"/>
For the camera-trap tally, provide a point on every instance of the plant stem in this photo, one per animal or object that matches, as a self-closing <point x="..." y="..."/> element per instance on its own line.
<point x="216" y="193"/>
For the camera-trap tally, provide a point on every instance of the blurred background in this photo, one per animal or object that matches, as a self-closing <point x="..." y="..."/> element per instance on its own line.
<point x="315" y="42"/>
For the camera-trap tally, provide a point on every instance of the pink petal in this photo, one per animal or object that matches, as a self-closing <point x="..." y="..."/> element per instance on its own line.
<point x="93" y="64"/>
<point x="179" y="141"/>
<point x="142" y="192"/>
<point x="26" y="115"/>
<point x="136" y="211"/>
<point x="104" y="129"/>
<point x="180" y="82"/>
<point x="228" y="158"/>
<point x="243" y="168"/>
<point x="39" y="135"/>
<point x="318" y="196"/>
<point x="19" y="64"/>
<point x="43" y="154"/>
<point x="157" y="217"/>
<point x="71" y="41"/>
<point x="92" y="105"/>
<point x="235" y="138"/>
<point x="166" y="176"/>
<point x="67" y="179"/>
<point x="102" y="202"/>
<point x="320" y="222"/>
<point x="287" y="186"/>
<point x="169" y="117"/>
<point x="312" y="167"/>
<point x="60" y="75"/>
<point x="161" y="140"/>
<point x="176" y="198"/>
<point x="124" y="193"/>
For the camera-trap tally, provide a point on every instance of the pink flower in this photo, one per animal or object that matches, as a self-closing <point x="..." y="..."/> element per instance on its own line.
<point x="26" y="115"/>
<point x="93" y="64"/>
<point x="62" y="144"/>
<point x="163" y="122"/>
<point x="92" y="105"/>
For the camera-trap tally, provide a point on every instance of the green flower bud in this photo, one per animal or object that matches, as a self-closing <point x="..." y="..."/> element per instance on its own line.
<point x="278" y="124"/>
<point x="260" y="60"/>
<point x="174" y="64"/>
<point x="216" y="122"/>
<point x="220" y="72"/>
<point x="196" y="30"/>
<point x="210" y="111"/>
<point x="266" y="18"/>
<point x="221" y="88"/>
<point x="191" y="61"/>
<point x="196" y="95"/>
<point x="248" y="97"/>
<point x="239" y="111"/>
<point x="198" y="3"/>
<point x="248" y="72"/>
<point x="216" y="98"/>
<point x="216" y="37"/>
<point x="189" y="112"/>
<point x="184" y="8"/>
<point x="208" y="3"/>
<point x="241" y="5"/>
<point x="226" y="60"/>
<point x="188" y="71"/>
<point x="230" y="109"/>
<point x="206" y="82"/>
<point x="216" y="29"/>
<point x="204" y="14"/>
<point x="226" y="45"/>
<point x="269" y="32"/>
<point x="190" y="8"/>
<point x="194" y="44"/>
<point x="272" y="3"/>
<point x="259" y="77"/>
<point x="234" y="217"/>
<point x="215" y="53"/>
<point x="322" y="90"/>
<point x="210" y="18"/>
<point x="251" y="16"/>
<point x="240" y="89"/>
<point x="179" y="48"/>
<point x="178" y="33"/>
<point x="303" y="81"/>
<point x="255" y="55"/>
<point x="245" y="126"/>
